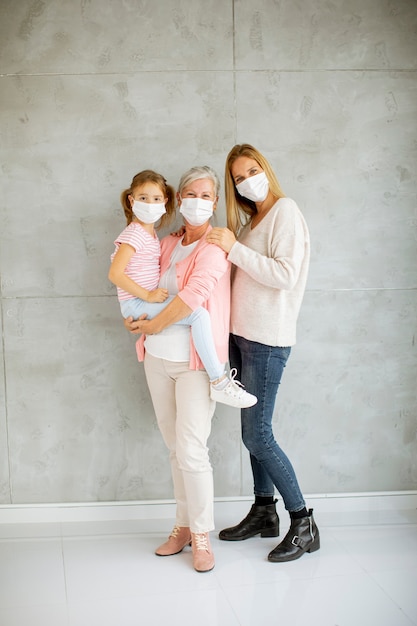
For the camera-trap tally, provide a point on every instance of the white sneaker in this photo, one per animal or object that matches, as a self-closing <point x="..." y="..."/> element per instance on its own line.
<point x="233" y="394"/>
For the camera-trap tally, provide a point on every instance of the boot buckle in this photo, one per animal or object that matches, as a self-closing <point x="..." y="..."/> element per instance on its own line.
<point x="298" y="542"/>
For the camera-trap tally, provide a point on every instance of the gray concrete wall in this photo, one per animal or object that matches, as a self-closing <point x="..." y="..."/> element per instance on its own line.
<point x="92" y="91"/>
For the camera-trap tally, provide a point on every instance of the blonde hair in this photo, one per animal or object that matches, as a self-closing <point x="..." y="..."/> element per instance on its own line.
<point x="149" y="176"/>
<point x="240" y="210"/>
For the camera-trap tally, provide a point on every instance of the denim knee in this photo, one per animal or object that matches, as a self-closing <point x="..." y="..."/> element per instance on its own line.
<point x="259" y="447"/>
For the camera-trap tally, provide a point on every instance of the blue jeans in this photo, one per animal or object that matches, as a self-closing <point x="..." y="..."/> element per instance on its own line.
<point x="260" y="368"/>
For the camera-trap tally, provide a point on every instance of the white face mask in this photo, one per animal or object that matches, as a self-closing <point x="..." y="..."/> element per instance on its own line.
<point x="254" y="188"/>
<point x="148" y="213"/>
<point x="196" y="210"/>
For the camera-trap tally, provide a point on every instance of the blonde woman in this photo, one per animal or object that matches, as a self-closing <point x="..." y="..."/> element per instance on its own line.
<point x="267" y="241"/>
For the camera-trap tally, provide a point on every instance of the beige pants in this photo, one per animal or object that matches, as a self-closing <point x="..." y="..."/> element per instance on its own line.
<point x="184" y="410"/>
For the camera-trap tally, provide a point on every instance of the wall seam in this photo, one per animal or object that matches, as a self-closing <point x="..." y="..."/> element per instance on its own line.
<point x="6" y="416"/>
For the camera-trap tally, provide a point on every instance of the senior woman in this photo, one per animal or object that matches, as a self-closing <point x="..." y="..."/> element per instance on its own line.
<point x="199" y="274"/>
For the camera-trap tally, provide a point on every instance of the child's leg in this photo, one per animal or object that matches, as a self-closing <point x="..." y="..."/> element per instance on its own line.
<point x="200" y="323"/>
<point x="135" y="307"/>
<point x="227" y="390"/>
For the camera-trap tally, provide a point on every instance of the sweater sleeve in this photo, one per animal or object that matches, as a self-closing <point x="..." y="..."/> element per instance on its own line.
<point x="285" y="237"/>
<point x="209" y="266"/>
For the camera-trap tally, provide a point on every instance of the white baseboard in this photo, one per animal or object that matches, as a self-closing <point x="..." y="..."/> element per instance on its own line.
<point x="165" y="509"/>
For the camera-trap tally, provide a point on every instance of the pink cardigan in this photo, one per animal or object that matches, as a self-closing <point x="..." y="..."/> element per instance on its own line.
<point x="204" y="280"/>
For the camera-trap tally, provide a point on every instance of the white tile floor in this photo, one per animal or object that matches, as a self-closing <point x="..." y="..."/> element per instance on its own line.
<point x="105" y="574"/>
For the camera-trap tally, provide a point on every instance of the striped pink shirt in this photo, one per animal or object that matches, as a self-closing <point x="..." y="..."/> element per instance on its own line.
<point x="144" y="266"/>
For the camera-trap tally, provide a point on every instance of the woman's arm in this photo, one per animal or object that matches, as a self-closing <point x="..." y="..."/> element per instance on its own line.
<point x="280" y="271"/>
<point x="118" y="276"/>
<point x="205" y="270"/>
<point x="176" y="310"/>
<point x="286" y="243"/>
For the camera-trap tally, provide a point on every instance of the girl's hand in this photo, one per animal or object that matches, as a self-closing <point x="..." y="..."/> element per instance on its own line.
<point x="222" y="237"/>
<point x="157" y="295"/>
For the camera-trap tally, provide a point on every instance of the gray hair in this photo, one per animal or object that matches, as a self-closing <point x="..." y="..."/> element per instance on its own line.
<point x="195" y="173"/>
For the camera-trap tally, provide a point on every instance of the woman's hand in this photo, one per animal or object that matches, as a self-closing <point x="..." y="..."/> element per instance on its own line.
<point x="157" y="295"/>
<point x="130" y="324"/>
<point x="140" y="326"/>
<point x="222" y="237"/>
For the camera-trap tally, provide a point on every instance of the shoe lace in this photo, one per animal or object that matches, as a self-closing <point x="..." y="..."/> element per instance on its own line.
<point x="234" y="387"/>
<point x="175" y="532"/>
<point x="201" y="542"/>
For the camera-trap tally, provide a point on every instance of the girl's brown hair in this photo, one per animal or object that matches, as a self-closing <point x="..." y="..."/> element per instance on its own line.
<point x="240" y="210"/>
<point x="149" y="176"/>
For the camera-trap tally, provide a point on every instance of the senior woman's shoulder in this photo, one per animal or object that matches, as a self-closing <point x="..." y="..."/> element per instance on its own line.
<point x="212" y="248"/>
<point x="211" y="255"/>
<point x="169" y="241"/>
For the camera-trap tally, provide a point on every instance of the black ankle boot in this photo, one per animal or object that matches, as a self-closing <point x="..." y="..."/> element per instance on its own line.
<point x="260" y="519"/>
<point x="303" y="536"/>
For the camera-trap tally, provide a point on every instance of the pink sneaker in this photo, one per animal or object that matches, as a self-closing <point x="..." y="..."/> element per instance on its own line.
<point x="178" y="539"/>
<point x="203" y="557"/>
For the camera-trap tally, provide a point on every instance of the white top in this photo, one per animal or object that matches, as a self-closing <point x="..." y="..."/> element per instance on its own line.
<point x="269" y="278"/>
<point x="173" y="343"/>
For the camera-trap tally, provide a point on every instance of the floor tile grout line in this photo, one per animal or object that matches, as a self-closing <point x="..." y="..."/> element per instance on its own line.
<point x="64" y="573"/>
<point x="400" y="608"/>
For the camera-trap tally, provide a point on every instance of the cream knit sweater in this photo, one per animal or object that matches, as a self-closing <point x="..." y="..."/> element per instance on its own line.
<point x="269" y="276"/>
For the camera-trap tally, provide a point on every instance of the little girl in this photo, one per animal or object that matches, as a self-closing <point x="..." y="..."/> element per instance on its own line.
<point x="135" y="272"/>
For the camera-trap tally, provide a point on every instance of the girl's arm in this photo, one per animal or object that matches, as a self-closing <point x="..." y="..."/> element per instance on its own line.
<point x="118" y="276"/>
<point x="288" y="240"/>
